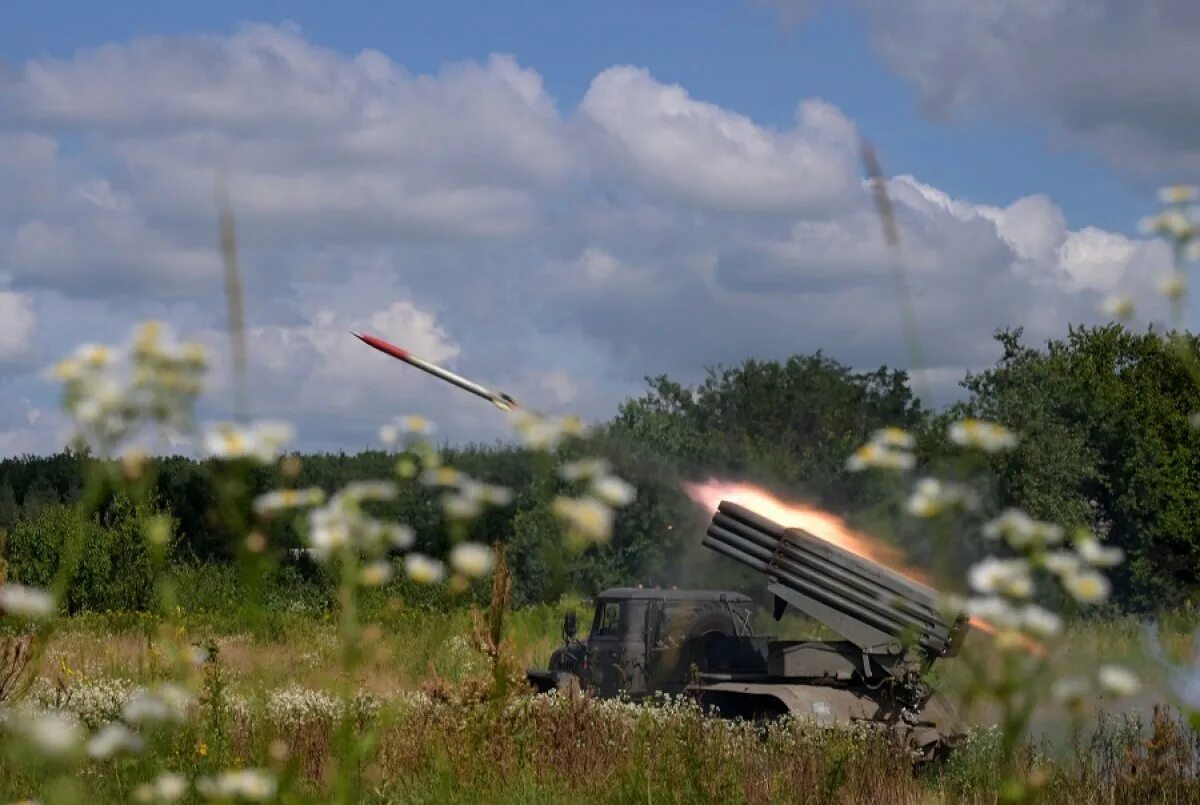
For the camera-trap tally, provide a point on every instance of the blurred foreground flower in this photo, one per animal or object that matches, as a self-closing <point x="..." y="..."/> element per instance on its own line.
<point x="986" y="436"/>
<point x="542" y="432"/>
<point x="893" y="437"/>
<point x="21" y="601"/>
<point x="113" y="392"/>
<point x="613" y="491"/>
<point x="1040" y="621"/>
<point x="994" y="609"/>
<point x="458" y="506"/>
<point x="441" y="476"/>
<point x="51" y="734"/>
<point x="1060" y="563"/>
<point x="167" y="787"/>
<point x="262" y="441"/>
<point x="419" y="425"/>
<point x="376" y="574"/>
<point x="1174" y="224"/>
<point x="586" y="518"/>
<point x="1119" y="307"/>
<point x="1097" y="555"/>
<point x="1022" y="531"/>
<point x="342" y="525"/>
<point x="584" y="468"/>
<point x="112" y="739"/>
<point x="1087" y="586"/>
<point x="281" y="499"/>
<point x="1173" y="286"/>
<point x="932" y="497"/>
<point x="254" y="785"/>
<point x="414" y="425"/>
<point x="164" y="703"/>
<point x="358" y="492"/>
<point x="877" y="456"/>
<point x="1009" y="577"/>
<point x="424" y="570"/>
<point x="1178" y="194"/>
<point x="469" y="496"/>
<point x="472" y="559"/>
<point x="1118" y="680"/>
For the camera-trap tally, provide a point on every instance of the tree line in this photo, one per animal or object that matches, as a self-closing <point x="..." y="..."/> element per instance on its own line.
<point x="1105" y="416"/>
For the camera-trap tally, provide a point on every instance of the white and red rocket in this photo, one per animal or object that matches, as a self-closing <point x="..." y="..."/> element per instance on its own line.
<point x="497" y="398"/>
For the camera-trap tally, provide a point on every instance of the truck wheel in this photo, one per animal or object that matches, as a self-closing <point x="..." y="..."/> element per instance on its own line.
<point x="705" y="619"/>
<point x="684" y="638"/>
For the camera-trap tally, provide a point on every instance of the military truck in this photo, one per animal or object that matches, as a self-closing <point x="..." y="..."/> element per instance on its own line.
<point x="702" y="644"/>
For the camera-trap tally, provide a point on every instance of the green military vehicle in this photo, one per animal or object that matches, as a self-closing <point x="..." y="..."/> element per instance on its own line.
<point x="701" y="643"/>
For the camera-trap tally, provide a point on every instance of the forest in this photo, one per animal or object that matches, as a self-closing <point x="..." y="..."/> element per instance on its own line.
<point x="1107" y="418"/>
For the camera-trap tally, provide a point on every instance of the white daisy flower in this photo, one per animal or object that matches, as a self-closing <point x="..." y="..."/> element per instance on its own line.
<point x="613" y="490"/>
<point x="112" y="739"/>
<point x="421" y="568"/>
<point x="1040" y="621"/>
<point x="874" y="456"/>
<point x="1087" y="586"/>
<point x="980" y="435"/>
<point x="472" y="559"/>
<point x="1097" y="555"/>
<point x="26" y="602"/>
<point x="1118" y="680"/>
<point x="893" y="437"/>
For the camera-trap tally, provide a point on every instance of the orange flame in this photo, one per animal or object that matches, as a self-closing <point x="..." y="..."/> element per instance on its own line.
<point x="821" y="524"/>
<point x="830" y="528"/>
<point x="1023" y="640"/>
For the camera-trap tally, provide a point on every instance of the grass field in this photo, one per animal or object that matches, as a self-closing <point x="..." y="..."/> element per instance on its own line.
<point x="269" y="699"/>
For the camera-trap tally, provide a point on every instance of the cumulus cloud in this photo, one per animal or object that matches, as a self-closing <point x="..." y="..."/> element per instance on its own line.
<point x="560" y="255"/>
<point x="1119" y="76"/>
<point x="700" y="154"/>
<point x="17" y="323"/>
<point x="349" y="150"/>
<point x="27" y="163"/>
<point x="831" y="285"/>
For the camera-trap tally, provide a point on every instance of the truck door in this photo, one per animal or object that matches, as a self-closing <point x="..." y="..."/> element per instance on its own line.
<point x="655" y="630"/>
<point x="606" y="649"/>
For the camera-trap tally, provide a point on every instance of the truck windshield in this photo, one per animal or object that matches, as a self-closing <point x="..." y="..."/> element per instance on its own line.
<point x="608" y="619"/>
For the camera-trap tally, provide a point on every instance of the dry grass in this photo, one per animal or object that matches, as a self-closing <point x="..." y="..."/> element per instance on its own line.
<point x="463" y="747"/>
<point x="441" y="739"/>
<point x="400" y="655"/>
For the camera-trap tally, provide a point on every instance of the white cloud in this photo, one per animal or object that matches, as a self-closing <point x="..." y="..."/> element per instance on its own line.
<point x="700" y="154"/>
<point x="17" y="323"/>
<point x="1117" y="75"/>
<point x="318" y="146"/>
<point x="558" y="255"/>
<point x="27" y="170"/>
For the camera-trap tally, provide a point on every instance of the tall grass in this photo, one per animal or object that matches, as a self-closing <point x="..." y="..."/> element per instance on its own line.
<point x="450" y="745"/>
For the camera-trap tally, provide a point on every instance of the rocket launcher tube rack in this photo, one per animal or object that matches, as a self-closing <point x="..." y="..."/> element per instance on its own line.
<point x="870" y="605"/>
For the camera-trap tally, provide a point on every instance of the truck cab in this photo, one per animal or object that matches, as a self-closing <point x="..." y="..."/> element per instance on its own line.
<point x="651" y="640"/>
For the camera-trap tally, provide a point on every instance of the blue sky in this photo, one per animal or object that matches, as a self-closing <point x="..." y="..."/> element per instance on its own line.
<point x="551" y="223"/>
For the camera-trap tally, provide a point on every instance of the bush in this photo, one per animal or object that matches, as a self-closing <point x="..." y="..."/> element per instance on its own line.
<point x="114" y="570"/>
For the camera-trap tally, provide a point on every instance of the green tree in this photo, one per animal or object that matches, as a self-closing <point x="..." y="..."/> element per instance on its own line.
<point x="8" y="506"/>
<point x="38" y="495"/>
<point x="1106" y="443"/>
<point x="789" y="425"/>
<point x="114" y="571"/>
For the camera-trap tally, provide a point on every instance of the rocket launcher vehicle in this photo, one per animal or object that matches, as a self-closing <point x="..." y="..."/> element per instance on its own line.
<point x="881" y="612"/>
